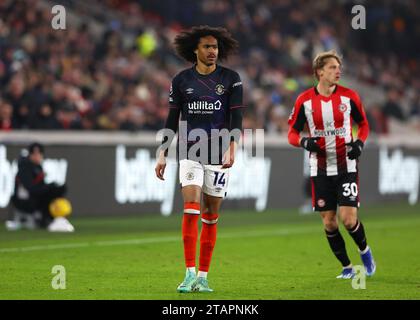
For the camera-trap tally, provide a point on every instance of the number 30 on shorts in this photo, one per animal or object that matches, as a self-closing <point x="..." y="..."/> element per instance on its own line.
<point x="350" y="189"/>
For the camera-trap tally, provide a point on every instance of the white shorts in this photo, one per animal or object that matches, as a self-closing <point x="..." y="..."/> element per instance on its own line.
<point x="211" y="178"/>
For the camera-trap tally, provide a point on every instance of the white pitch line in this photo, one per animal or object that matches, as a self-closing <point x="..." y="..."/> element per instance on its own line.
<point x="46" y="247"/>
<point x="140" y="241"/>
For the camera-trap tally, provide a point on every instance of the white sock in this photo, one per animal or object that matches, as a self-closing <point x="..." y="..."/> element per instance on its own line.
<point x="202" y="274"/>
<point x="191" y="269"/>
<point x="364" y="251"/>
<point x="348" y="267"/>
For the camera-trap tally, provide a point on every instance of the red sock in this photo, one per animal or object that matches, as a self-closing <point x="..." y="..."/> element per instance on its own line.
<point x="207" y="239"/>
<point x="190" y="231"/>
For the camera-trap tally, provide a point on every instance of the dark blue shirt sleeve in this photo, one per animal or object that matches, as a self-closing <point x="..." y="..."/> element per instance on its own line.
<point x="172" y="121"/>
<point x="235" y="105"/>
<point x="175" y="98"/>
<point x="175" y="105"/>
<point x="235" y="98"/>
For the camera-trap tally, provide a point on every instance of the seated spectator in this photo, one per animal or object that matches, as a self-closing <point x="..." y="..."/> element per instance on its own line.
<point x="415" y="111"/>
<point x="392" y="107"/>
<point x="6" y="116"/>
<point x="378" y="122"/>
<point x="45" y="119"/>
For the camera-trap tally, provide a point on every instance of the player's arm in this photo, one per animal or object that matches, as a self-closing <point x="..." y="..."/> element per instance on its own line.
<point x="35" y="187"/>
<point x="171" y="127"/>
<point x="358" y="114"/>
<point x="297" y="122"/>
<point x="236" y="115"/>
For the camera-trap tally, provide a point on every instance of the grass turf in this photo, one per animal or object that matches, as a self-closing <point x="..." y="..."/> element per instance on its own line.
<point x="270" y="255"/>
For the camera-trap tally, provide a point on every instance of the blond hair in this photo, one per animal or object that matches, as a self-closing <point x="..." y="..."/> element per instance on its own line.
<point x="321" y="60"/>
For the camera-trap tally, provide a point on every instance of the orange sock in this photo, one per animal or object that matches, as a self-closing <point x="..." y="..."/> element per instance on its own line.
<point x="207" y="239"/>
<point x="190" y="231"/>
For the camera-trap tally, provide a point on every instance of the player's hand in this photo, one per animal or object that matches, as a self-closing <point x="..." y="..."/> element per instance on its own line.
<point x="228" y="161"/>
<point x="229" y="157"/>
<point x="160" y="166"/>
<point x="310" y="144"/>
<point x="354" y="149"/>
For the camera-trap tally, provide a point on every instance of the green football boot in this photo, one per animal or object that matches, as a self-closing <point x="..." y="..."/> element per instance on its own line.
<point x="201" y="285"/>
<point x="185" y="286"/>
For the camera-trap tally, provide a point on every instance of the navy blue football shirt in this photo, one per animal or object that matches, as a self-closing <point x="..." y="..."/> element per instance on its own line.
<point x="206" y="102"/>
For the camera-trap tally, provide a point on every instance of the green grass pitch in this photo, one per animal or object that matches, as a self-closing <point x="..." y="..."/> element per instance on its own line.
<point x="269" y="255"/>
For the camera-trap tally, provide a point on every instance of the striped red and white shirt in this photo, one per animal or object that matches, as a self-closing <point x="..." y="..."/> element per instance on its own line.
<point x="331" y="119"/>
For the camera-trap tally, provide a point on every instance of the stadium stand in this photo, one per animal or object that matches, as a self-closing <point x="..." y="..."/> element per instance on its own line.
<point x="111" y="68"/>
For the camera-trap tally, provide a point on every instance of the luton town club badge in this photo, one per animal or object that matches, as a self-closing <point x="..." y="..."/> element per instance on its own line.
<point x="220" y="89"/>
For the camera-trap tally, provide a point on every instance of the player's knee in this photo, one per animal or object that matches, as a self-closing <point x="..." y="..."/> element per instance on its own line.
<point x="191" y="198"/>
<point x="210" y="207"/>
<point x="191" y="193"/>
<point x="349" y="222"/>
<point x="210" y="210"/>
<point x="330" y="224"/>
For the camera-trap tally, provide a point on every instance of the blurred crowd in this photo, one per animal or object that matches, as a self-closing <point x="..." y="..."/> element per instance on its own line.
<point x="118" y="78"/>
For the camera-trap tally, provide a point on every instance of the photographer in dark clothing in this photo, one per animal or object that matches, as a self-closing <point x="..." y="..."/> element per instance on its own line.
<point x="32" y="195"/>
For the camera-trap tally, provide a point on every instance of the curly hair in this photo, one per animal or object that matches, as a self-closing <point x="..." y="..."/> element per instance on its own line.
<point x="187" y="42"/>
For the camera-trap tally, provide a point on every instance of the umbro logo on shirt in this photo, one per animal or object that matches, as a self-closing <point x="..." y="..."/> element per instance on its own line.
<point x="189" y="90"/>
